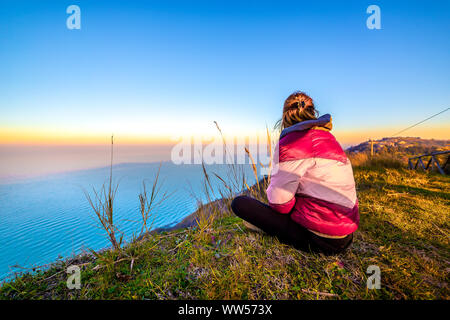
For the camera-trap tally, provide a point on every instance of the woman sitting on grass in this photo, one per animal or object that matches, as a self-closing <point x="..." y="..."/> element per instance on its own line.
<point x="312" y="196"/>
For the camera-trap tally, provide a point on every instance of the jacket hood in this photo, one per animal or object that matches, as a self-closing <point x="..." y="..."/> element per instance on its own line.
<point x="322" y="121"/>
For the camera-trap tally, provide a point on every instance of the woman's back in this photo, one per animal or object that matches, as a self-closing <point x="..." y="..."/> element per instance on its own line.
<point x="330" y="177"/>
<point x="312" y="196"/>
<point x="314" y="178"/>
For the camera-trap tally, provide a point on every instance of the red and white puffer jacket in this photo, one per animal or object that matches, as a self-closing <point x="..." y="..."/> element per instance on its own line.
<point x="312" y="179"/>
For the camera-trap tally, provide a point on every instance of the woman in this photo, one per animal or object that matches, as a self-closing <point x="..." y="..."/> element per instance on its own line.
<point x="312" y="196"/>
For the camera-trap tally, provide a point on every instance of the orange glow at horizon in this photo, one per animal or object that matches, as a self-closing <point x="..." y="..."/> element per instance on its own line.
<point x="49" y="137"/>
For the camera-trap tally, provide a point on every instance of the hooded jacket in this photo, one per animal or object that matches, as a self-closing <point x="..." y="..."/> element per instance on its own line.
<point x="312" y="179"/>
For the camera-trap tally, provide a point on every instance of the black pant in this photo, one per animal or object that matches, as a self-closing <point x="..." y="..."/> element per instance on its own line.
<point x="284" y="228"/>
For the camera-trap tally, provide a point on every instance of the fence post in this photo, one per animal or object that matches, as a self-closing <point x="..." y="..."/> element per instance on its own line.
<point x="371" y="148"/>
<point x="428" y="163"/>
<point x="422" y="164"/>
<point x="437" y="164"/>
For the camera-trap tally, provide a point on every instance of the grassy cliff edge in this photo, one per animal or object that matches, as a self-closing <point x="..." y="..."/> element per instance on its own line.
<point x="404" y="230"/>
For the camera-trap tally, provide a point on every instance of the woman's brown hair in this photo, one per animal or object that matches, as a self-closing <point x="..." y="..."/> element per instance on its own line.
<point x="298" y="107"/>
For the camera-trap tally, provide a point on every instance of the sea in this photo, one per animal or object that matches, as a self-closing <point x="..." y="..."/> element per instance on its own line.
<point x="48" y="217"/>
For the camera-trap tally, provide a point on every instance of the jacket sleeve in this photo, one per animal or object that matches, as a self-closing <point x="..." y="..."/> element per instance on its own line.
<point x="284" y="183"/>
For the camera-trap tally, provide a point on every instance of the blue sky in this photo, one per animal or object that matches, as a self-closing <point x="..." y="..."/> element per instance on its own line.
<point x="158" y="68"/>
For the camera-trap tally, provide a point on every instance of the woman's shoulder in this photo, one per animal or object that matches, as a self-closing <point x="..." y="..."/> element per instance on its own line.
<point x="311" y="143"/>
<point x="296" y="145"/>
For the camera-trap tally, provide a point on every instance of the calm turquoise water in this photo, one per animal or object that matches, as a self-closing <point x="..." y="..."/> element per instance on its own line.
<point x="47" y="217"/>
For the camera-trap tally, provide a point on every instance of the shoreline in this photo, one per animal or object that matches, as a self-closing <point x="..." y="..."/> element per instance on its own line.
<point x="187" y="222"/>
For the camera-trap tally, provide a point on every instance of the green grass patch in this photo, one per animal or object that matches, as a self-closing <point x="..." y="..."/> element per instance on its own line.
<point x="404" y="230"/>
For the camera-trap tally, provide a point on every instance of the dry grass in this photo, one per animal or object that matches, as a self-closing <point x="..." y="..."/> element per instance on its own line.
<point x="102" y="203"/>
<point x="379" y="161"/>
<point x="150" y="202"/>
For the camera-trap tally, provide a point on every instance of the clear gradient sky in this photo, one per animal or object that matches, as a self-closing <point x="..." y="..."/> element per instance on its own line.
<point x="149" y="70"/>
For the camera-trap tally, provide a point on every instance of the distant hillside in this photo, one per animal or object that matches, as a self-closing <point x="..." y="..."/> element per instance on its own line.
<point x="402" y="145"/>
